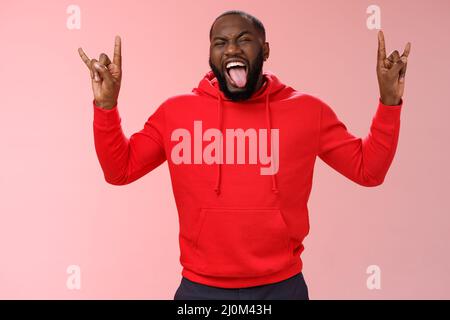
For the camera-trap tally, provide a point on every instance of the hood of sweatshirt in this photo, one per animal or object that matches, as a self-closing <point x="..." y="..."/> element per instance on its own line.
<point x="271" y="89"/>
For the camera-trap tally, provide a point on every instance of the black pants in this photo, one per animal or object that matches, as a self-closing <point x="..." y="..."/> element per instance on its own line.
<point x="294" y="288"/>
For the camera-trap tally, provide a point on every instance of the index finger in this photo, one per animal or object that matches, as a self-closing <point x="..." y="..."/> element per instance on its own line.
<point x="84" y="57"/>
<point x="117" y="59"/>
<point x="381" y="48"/>
<point x="407" y="50"/>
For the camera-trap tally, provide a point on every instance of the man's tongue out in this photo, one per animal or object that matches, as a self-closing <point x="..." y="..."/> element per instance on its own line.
<point x="239" y="76"/>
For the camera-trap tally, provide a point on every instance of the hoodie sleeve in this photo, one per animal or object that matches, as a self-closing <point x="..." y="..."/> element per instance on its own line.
<point x="362" y="160"/>
<point x="125" y="160"/>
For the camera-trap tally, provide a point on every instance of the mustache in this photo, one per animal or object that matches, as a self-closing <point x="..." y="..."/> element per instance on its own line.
<point x="254" y="71"/>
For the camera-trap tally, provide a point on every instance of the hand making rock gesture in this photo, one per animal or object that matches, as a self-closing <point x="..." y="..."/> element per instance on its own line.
<point x="391" y="72"/>
<point x="106" y="76"/>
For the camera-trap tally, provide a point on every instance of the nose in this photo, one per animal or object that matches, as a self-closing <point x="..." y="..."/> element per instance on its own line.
<point x="232" y="48"/>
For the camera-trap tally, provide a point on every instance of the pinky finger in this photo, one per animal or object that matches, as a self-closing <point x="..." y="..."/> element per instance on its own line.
<point x="403" y="72"/>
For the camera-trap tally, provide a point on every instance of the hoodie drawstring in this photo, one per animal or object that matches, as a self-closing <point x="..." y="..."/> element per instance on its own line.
<point x="219" y="167"/>
<point x="268" y="126"/>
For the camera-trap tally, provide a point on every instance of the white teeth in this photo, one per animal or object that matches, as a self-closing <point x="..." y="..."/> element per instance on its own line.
<point x="234" y="64"/>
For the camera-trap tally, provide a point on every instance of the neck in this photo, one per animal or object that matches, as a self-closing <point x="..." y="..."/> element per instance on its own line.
<point x="260" y="82"/>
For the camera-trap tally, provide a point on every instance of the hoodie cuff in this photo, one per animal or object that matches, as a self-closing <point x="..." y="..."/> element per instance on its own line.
<point x="386" y="113"/>
<point x="105" y="118"/>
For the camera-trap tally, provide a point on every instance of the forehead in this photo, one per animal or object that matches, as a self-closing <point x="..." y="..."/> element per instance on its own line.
<point x="231" y="25"/>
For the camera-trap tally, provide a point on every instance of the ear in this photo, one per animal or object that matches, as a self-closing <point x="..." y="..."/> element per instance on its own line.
<point x="266" y="51"/>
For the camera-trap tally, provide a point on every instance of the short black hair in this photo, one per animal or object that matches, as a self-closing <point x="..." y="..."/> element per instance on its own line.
<point x="256" y="22"/>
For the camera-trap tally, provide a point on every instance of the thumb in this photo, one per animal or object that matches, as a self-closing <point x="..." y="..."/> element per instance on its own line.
<point x="395" y="70"/>
<point x="104" y="72"/>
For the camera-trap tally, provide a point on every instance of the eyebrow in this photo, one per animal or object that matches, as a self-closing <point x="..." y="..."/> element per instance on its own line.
<point x="240" y="34"/>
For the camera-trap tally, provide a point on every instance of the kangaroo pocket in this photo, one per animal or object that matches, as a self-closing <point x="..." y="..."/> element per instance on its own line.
<point x="242" y="242"/>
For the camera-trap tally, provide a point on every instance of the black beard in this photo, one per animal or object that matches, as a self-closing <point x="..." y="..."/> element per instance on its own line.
<point x="252" y="79"/>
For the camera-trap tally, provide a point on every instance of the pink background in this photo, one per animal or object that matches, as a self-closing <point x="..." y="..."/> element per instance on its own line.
<point x="56" y="210"/>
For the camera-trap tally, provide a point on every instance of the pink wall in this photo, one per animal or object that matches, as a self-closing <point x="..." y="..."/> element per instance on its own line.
<point x="56" y="210"/>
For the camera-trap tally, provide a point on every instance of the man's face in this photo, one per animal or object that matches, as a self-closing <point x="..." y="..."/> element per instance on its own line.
<point x="235" y="38"/>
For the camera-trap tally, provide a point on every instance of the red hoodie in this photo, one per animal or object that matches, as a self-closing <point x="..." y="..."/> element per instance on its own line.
<point x="239" y="227"/>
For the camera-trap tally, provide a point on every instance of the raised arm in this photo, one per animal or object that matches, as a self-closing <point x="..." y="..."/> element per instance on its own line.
<point x="366" y="160"/>
<point x="362" y="160"/>
<point x="126" y="160"/>
<point x="122" y="160"/>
